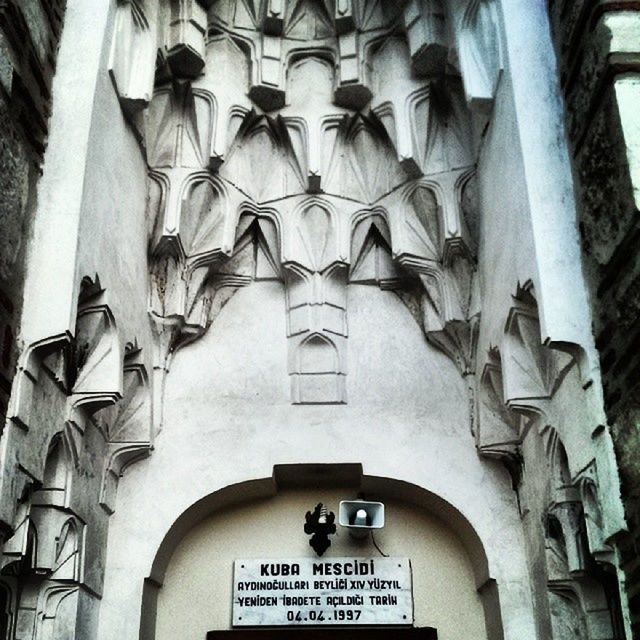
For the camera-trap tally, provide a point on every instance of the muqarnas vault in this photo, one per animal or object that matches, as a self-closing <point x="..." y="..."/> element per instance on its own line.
<point x="279" y="247"/>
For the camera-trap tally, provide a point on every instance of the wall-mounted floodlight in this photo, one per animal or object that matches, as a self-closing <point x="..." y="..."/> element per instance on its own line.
<point x="360" y="516"/>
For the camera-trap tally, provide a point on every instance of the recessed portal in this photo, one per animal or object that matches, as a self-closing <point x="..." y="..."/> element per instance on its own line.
<point x="197" y="594"/>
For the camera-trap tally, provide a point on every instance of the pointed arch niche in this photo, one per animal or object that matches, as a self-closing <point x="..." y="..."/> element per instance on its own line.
<point x="448" y="558"/>
<point x="318" y="372"/>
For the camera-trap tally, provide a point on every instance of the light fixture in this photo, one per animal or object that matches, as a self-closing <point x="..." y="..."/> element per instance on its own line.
<point x="360" y="516"/>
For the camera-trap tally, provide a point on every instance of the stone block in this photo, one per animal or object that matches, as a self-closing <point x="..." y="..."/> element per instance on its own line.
<point x="185" y="38"/>
<point x="132" y="62"/>
<point x="273" y="21"/>
<point x="609" y="207"/>
<point x="343" y="16"/>
<point x="598" y="54"/>
<point x="425" y="26"/>
<point x="352" y="90"/>
<point x="267" y="90"/>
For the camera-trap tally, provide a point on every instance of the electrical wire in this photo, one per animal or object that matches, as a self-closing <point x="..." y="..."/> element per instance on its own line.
<point x="375" y="544"/>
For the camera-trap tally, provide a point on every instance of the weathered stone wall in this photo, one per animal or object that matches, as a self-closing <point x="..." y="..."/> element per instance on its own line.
<point x="598" y="47"/>
<point x="29" y="34"/>
<point x="64" y="444"/>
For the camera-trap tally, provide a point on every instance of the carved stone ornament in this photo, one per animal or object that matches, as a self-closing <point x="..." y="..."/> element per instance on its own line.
<point x="320" y="524"/>
<point x="370" y="178"/>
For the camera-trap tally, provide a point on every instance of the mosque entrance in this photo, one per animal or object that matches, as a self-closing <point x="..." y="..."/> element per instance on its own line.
<point x="197" y="599"/>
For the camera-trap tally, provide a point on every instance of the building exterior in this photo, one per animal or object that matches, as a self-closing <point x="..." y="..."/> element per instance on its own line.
<point x="597" y="45"/>
<point x="261" y="255"/>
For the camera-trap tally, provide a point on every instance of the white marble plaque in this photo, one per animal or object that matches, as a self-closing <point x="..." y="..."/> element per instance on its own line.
<point x="332" y="591"/>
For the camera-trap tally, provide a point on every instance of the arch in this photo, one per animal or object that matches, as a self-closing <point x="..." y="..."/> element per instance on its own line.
<point x="159" y="186"/>
<point x="301" y="476"/>
<point x="56" y="477"/>
<point x="297" y="142"/>
<point x="378" y="212"/>
<point x="375" y="220"/>
<point x="318" y="370"/>
<point x="386" y="114"/>
<point x="308" y="18"/>
<point x="298" y="56"/>
<point x="528" y="366"/>
<point x="318" y="240"/>
<point x="558" y="462"/>
<point x="57" y="610"/>
<point x="246" y="45"/>
<point x="567" y="612"/>
<point x="316" y="354"/>
<point x="97" y="354"/>
<point x="316" y="231"/>
<point x="325" y="204"/>
<point x="249" y="209"/>
<point x="187" y="113"/>
<point x="370" y="159"/>
<point x="55" y="470"/>
<point x="371" y="257"/>
<point x="67" y="553"/>
<point x="256" y="251"/>
<point x="417" y="113"/>
<point x="295" y="55"/>
<point x="449" y="133"/>
<point x="423" y="219"/>
<point x="498" y="429"/>
<point x="264" y="140"/>
<point x="377" y="43"/>
<point x="238" y="119"/>
<point x="203" y="213"/>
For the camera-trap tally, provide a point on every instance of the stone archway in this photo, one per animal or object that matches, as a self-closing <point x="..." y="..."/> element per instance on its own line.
<point x="447" y="551"/>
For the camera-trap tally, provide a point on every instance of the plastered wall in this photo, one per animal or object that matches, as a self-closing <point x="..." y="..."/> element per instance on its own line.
<point x="228" y="419"/>
<point x="230" y="229"/>
<point x="197" y="593"/>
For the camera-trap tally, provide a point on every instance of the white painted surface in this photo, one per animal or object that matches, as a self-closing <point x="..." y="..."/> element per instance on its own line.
<point x="406" y="419"/>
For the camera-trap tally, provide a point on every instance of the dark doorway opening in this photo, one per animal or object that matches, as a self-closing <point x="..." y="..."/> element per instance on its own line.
<point x="360" y="633"/>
